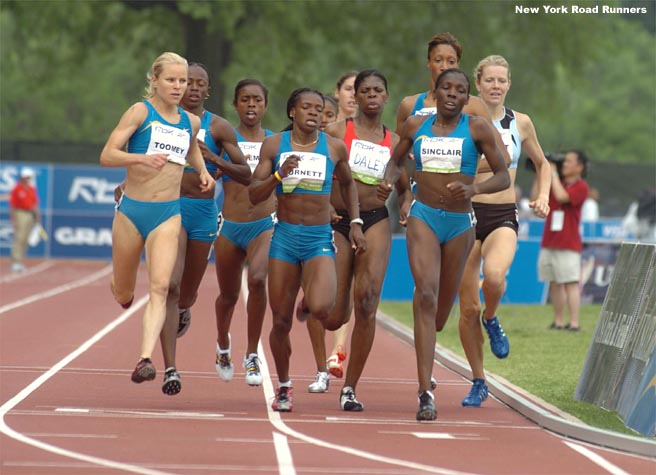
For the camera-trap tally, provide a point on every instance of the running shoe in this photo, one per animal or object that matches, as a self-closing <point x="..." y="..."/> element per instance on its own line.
<point x="320" y="384"/>
<point x="172" y="383"/>
<point x="334" y="364"/>
<point x="477" y="394"/>
<point x="144" y="371"/>
<point x="433" y="384"/>
<point x="347" y="400"/>
<point x="185" y="321"/>
<point x="223" y="364"/>
<point x="498" y="340"/>
<point x="252" y="366"/>
<point x="427" y="411"/>
<point x="283" y="401"/>
<point x="302" y="311"/>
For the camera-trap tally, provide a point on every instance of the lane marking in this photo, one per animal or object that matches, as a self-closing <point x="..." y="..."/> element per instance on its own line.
<point x="277" y="422"/>
<point x="283" y="454"/>
<point x="143" y="413"/>
<point x="597" y="459"/>
<point x="436" y="435"/>
<point x="57" y="290"/>
<point x="38" y="382"/>
<point x="71" y="436"/>
<point x="27" y="272"/>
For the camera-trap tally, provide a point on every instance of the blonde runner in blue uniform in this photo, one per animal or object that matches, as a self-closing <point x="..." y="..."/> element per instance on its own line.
<point x="440" y="227"/>
<point x="298" y="164"/>
<point x="160" y="139"/>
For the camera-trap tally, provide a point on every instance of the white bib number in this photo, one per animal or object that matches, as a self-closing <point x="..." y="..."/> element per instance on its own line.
<point x="309" y="175"/>
<point x="168" y="139"/>
<point x="441" y="154"/>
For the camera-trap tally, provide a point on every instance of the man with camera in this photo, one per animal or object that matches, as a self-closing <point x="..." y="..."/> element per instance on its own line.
<point x="559" y="262"/>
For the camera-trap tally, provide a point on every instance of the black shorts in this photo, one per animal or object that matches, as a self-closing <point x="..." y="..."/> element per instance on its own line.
<point x="371" y="217"/>
<point x="493" y="216"/>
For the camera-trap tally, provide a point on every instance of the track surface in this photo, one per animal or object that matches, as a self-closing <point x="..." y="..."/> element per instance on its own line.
<point x="69" y="407"/>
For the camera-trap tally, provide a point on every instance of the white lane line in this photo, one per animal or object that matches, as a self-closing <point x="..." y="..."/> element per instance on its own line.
<point x="277" y="422"/>
<point x="57" y="290"/>
<point x="27" y="272"/>
<point x="283" y="454"/>
<point x="71" y="436"/>
<point x="598" y="459"/>
<point x="34" y="385"/>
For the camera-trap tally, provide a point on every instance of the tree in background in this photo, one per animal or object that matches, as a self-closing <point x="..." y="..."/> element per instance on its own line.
<point x="68" y="69"/>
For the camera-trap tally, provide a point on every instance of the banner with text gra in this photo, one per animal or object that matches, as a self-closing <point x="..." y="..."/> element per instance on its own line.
<point x="620" y="368"/>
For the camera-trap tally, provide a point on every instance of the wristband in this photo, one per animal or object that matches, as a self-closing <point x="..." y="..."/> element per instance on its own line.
<point x="357" y="221"/>
<point x="278" y="176"/>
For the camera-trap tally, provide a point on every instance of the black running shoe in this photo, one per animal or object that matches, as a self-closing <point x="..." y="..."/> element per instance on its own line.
<point x="427" y="411"/>
<point x="348" y="402"/>
<point x="172" y="383"/>
<point x="185" y="321"/>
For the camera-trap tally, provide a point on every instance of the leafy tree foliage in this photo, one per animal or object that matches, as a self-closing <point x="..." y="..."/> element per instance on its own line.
<point x="69" y="69"/>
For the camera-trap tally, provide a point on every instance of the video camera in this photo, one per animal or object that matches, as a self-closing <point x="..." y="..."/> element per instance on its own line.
<point x="554" y="157"/>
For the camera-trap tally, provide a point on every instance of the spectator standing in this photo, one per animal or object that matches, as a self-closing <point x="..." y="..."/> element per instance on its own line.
<point x="559" y="262"/>
<point x="24" y="215"/>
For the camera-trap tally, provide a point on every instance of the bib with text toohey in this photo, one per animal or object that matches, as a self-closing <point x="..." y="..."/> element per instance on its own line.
<point x="441" y="154"/>
<point x="309" y="175"/>
<point x="251" y="151"/>
<point x="368" y="161"/>
<point x="171" y="140"/>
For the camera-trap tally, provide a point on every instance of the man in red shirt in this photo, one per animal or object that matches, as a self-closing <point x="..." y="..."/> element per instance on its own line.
<point x="559" y="262"/>
<point x="24" y="214"/>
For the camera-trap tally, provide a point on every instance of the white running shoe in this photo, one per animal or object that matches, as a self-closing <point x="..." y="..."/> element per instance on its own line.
<point x="223" y="364"/>
<point x="321" y="383"/>
<point x="252" y="366"/>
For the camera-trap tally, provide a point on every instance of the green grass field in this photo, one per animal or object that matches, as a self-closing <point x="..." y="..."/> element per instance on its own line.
<point x="544" y="362"/>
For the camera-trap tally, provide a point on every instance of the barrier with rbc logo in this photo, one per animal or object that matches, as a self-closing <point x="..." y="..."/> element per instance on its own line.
<point x="77" y="208"/>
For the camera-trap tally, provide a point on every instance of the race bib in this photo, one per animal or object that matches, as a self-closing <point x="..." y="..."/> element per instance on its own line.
<point x="506" y="138"/>
<point x="251" y="151"/>
<point x="424" y="111"/>
<point x="171" y="140"/>
<point x="201" y="135"/>
<point x="309" y="175"/>
<point x="368" y="161"/>
<point x="441" y="154"/>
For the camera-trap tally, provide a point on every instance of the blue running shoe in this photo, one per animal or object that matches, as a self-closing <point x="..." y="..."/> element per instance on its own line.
<point x="477" y="394"/>
<point x="498" y="339"/>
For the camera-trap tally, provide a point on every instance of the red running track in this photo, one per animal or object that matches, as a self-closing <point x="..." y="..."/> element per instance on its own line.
<point x="69" y="407"/>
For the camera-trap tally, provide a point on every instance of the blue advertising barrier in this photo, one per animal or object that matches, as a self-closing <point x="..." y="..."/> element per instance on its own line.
<point x="522" y="284"/>
<point x="77" y="207"/>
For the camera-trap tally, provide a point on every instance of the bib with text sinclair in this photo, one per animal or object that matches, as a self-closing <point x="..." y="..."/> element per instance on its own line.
<point x="441" y="154"/>
<point x="168" y="139"/>
<point x="368" y="161"/>
<point x="310" y="174"/>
